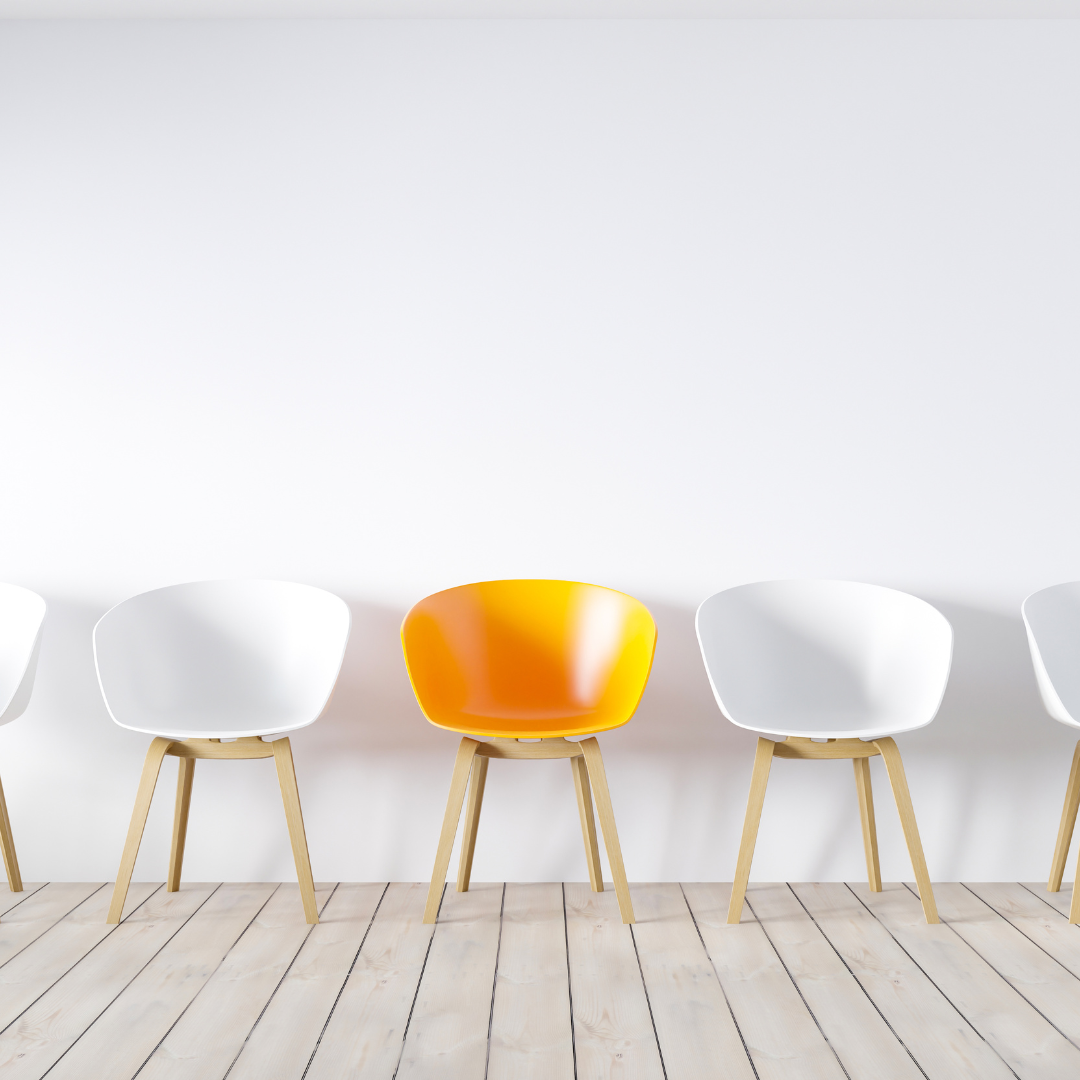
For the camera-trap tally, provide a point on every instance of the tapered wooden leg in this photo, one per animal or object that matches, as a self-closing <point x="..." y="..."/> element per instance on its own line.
<point x="895" y="768"/>
<point x="180" y="816"/>
<point x="147" y="783"/>
<point x="866" y="814"/>
<point x="595" y="765"/>
<point x="1074" y="904"/>
<point x="1065" y="829"/>
<point x="759" y="780"/>
<point x="290" y="796"/>
<point x="7" y="845"/>
<point x="472" y="821"/>
<point x="458" y="782"/>
<point x="588" y="825"/>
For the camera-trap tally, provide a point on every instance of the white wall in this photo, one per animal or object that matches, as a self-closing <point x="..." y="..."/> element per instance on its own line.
<point x="670" y="306"/>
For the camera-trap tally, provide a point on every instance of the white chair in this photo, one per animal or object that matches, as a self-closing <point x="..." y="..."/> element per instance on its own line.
<point x="21" y="616"/>
<point x="827" y="669"/>
<point x="1052" y="619"/>
<point x="202" y="664"/>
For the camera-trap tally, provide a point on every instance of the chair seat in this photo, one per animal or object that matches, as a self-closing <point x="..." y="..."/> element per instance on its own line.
<point x="201" y="727"/>
<point x="528" y="727"/>
<point x="855" y="727"/>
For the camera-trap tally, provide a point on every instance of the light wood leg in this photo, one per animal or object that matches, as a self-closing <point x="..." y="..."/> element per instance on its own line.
<point x="866" y="814"/>
<point x="1065" y="829"/>
<point x="1074" y="903"/>
<point x="595" y="765"/>
<point x="290" y="796"/>
<point x="7" y="845"/>
<point x="759" y="780"/>
<point x="458" y="782"/>
<point x="472" y="821"/>
<point x="147" y="783"/>
<point x="588" y="824"/>
<point x="180" y="817"/>
<point x="895" y="768"/>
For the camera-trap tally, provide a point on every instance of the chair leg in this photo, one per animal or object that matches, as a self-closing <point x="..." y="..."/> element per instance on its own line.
<point x="588" y="824"/>
<point x="759" y="780"/>
<point x="1065" y="829"/>
<point x="180" y="817"/>
<point x="895" y="768"/>
<point x="595" y="765"/>
<point x="147" y="783"/>
<point x="458" y="782"/>
<point x="290" y="796"/>
<point x="7" y="845"/>
<point x="866" y="814"/>
<point x="472" y="821"/>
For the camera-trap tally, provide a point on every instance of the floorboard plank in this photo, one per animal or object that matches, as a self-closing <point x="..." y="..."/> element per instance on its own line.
<point x="531" y="1032"/>
<point x="779" y="1031"/>
<point x="366" y="1031"/>
<point x="1036" y="919"/>
<point x="1060" y="900"/>
<point x="855" y="1029"/>
<point x="1023" y="1038"/>
<point x="28" y="975"/>
<point x="694" y="1025"/>
<point x="9" y="899"/>
<point x="123" y="1038"/>
<point x="448" y="1032"/>
<point x="40" y="913"/>
<point x="206" y="1040"/>
<point x="613" y="1030"/>
<point x="48" y="1028"/>
<point x="1038" y="977"/>
<point x="283" y="1040"/>
<point x="941" y="1040"/>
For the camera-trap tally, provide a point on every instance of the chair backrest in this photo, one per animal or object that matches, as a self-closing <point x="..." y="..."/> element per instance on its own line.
<point x="22" y="614"/>
<point x="836" y="659"/>
<point x="1052" y="619"/>
<point x="528" y="658"/>
<point x="221" y="659"/>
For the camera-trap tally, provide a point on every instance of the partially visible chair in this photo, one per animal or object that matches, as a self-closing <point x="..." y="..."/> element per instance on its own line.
<point x="209" y="668"/>
<point x="529" y="660"/>
<point x="22" y="613"/>
<point x="1052" y="619"/>
<point x="827" y="669"/>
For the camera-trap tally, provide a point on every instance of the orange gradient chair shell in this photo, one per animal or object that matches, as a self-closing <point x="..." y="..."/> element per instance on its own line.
<point x="535" y="660"/>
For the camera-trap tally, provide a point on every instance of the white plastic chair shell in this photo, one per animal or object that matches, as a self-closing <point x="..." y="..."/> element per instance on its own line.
<point x="22" y="614"/>
<point x="1052" y="620"/>
<point x="221" y="659"/>
<point x="824" y="659"/>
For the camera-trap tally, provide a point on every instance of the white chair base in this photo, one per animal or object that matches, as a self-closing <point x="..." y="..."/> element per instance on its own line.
<point x="188" y="751"/>
<point x="860" y="752"/>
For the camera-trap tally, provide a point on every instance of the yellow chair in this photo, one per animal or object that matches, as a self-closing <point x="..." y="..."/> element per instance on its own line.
<point x="528" y="660"/>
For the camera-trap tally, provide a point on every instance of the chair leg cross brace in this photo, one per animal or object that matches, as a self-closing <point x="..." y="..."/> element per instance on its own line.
<point x="188" y="751"/>
<point x="860" y="753"/>
<point x="590" y="781"/>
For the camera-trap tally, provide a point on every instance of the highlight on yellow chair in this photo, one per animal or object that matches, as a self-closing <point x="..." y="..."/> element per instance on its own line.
<point x="528" y="659"/>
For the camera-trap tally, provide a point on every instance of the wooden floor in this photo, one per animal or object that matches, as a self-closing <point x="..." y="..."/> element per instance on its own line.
<point x="529" y="981"/>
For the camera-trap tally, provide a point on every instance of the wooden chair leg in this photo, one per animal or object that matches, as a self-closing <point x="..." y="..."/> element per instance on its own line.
<point x="472" y="821"/>
<point x="290" y="796"/>
<point x="180" y="817"/>
<point x="866" y="815"/>
<point x="895" y="768"/>
<point x="147" y="783"/>
<point x="588" y="824"/>
<point x="1074" y="903"/>
<point x="759" y="780"/>
<point x="595" y="765"/>
<point x="7" y="845"/>
<point x="458" y="782"/>
<point x="1065" y="829"/>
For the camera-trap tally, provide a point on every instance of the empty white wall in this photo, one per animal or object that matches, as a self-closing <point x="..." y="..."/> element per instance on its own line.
<point x="669" y="306"/>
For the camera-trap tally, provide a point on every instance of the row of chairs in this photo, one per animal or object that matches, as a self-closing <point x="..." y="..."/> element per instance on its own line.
<point x="528" y="669"/>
